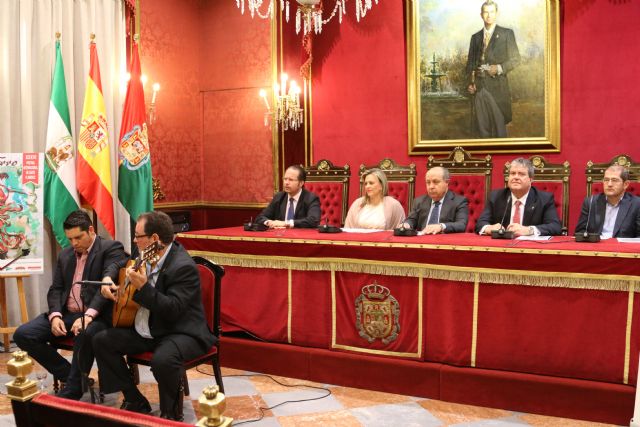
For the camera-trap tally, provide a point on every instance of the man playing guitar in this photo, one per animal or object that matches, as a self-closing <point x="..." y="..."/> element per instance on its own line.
<point x="170" y="321"/>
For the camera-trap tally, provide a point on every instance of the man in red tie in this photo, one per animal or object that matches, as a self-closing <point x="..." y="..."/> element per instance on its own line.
<point x="293" y="207"/>
<point x="520" y="207"/>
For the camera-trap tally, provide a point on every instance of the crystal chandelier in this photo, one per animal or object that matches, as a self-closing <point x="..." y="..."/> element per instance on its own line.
<point x="309" y="12"/>
<point x="286" y="110"/>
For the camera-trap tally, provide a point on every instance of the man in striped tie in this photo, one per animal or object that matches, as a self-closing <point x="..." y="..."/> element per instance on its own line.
<point x="293" y="207"/>
<point x="520" y="207"/>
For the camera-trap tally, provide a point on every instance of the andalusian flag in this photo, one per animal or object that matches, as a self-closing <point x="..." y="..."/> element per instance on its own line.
<point x="60" y="194"/>
<point x="94" y="164"/>
<point x="134" y="180"/>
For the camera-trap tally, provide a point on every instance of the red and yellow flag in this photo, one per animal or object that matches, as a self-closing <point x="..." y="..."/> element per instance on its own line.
<point x="94" y="159"/>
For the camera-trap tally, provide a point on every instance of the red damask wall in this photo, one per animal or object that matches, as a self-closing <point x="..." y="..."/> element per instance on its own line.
<point x="170" y="55"/>
<point x="359" y="89"/>
<point x="209" y="142"/>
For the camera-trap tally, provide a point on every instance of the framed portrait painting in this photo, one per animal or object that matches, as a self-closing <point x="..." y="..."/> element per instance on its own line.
<point x="484" y="75"/>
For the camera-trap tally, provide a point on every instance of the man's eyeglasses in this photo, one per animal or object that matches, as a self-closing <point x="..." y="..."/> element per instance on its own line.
<point x="140" y="236"/>
<point x="612" y="180"/>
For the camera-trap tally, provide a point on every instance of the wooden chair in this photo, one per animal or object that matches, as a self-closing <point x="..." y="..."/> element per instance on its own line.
<point x="595" y="173"/>
<point x="210" y="284"/>
<point x="553" y="178"/>
<point x="470" y="177"/>
<point x="401" y="179"/>
<point x="331" y="185"/>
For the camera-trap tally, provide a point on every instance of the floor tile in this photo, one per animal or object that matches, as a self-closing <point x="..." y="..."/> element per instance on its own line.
<point x="334" y="419"/>
<point x="355" y="397"/>
<point x="455" y="413"/>
<point x="405" y="415"/>
<point x="296" y="403"/>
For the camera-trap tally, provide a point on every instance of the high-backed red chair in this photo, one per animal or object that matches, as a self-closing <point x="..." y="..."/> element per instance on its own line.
<point x="331" y="185"/>
<point x="470" y="177"/>
<point x="595" y="173"/>
<point x="401" y="181"/>
<point x="210" y="284"/>
<point x="553" y="178"/>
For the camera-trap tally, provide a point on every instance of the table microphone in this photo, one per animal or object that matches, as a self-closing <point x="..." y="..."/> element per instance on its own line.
<point x="326" y="228"/>
<point x="586" y="236"/>
<point x="502" y="233"/>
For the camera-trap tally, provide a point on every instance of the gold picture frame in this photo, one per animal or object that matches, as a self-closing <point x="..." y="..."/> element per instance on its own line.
<point x="442" y="115"/>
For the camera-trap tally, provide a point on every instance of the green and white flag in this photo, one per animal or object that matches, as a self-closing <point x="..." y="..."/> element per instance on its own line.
<point x="60" y="193"/>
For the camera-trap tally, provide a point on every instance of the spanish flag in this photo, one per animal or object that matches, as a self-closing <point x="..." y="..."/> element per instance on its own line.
<point x="94" y="161"/>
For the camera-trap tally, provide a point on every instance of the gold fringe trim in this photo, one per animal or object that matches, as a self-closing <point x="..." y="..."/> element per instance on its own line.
<point x="627" y="338"/>
<point x="474" y="322"/>
<point x="420" y="312"/>
<point x="610" y="282"/>
<point x="510" y="249"/>
<point x="289" y="303"/>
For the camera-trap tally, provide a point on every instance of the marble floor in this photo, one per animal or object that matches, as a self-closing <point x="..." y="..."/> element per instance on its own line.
<point x="313" y="404"/>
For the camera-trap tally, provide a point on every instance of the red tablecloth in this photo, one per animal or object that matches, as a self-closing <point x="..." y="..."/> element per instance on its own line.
<point x="555" y="307"/>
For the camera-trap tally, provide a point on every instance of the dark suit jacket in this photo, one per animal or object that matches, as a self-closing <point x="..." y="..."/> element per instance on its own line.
<point x="307" y="213"/>
<point x="454" y="213"/>
<point x="175" y="302"/>
<point x="539" y="211"/>
<point x="102" y="255"/>
<point x="502" y="50"/>
<point x="627" y="222"/>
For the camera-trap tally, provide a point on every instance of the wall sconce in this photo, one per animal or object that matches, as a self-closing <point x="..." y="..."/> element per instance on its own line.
<point x="286" y="110"/>
<point x="154" y="96"/>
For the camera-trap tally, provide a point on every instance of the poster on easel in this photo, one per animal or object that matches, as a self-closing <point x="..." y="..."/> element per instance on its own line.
<point x="21" y="213"/>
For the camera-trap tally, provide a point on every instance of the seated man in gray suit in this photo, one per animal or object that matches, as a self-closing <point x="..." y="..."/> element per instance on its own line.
<point x="440" y="210"/>
<point x="614" y="213"/>
<point x="293" y="207"/>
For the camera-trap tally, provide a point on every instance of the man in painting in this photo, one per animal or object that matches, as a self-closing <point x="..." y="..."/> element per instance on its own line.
<point x="493" y="53"/>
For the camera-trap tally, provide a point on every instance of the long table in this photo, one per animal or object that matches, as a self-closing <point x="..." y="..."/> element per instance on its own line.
<point x="556" y="308"/>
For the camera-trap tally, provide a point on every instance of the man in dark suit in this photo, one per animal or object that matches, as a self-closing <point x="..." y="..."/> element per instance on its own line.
<point x="440" y="210"/>
<point x="293" y="207"/>
<point x="170" y="321"/>
<point x="520" y="208"/>
<point x="614" y="213"/>
<point x="493" y="53"/>
<point x="87" y="258"/>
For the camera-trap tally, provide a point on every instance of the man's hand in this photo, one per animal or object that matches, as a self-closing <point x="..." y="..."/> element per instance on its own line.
<point x="109" y="290"/>
<point x="137" y="278"/>
<point x="489" y="228"/>
<point x="57" y="327"/>
<point x="76" y="328"/>
<point x="519" y="230"/>
<point x="493" y="70"/>
<point x="432" y="229"/>
<point x="471" y="88"/>
<point x="276" y="224"/>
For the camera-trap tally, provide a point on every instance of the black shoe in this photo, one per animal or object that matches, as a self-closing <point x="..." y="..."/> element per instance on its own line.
<point x="140" y="406"/>
<point x="173" y="417"/>
<point x="69" y="392"/>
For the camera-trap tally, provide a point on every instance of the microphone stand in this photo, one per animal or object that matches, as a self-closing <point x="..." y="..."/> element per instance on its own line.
<point x="85" y="383"/>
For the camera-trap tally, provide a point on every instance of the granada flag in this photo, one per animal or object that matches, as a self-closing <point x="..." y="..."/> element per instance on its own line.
<point x="94" y="164"/>
<point x="135" y="189"/>
<point x="60" y="193"/>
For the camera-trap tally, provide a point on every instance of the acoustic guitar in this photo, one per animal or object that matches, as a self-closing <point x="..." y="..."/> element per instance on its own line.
<point x="125" y="308"/>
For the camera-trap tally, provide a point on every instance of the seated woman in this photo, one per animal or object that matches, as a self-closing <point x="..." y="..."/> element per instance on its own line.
<point x="375" y="209"/>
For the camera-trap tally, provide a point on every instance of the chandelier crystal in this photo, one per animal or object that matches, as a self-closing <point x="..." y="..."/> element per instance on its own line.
<point x="308" y="14"/>
<point x="286" y="110"/>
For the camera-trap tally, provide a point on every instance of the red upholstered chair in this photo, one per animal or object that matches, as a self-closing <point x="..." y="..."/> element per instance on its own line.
<point x="553" y="178"/>
<point x="595" y="173"/>
<point x="470" y="177"/>
<point x="401" y="180"/>
<point x="210" y="283"/>
<point x="331" y="184"/>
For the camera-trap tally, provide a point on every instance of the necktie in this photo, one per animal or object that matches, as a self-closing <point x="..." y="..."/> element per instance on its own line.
<point x="291" y="211"/>
<point x="516" y="214"/>
<point x="434" y="218"/>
